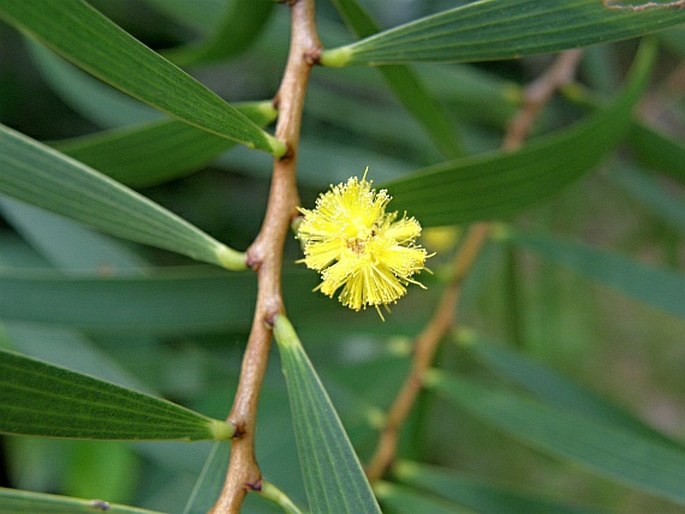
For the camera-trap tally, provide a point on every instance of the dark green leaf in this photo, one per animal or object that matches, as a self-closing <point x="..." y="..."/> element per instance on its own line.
<point x="13" y="501"/>
<point x="503" y="29"/>
<point x="500" y="183"/>
<point x="40" y="399"/>
<point x="658" y="151"/>
<point x="82" y="35"/>
<point x="659" y="288"/>
<point x="333" y="477"/>
<point x="639" y="461"/>
<point x="36" y="174"/>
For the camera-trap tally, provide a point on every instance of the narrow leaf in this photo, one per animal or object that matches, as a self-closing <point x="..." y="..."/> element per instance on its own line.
<point x="639" y="461"/>
<point x="660" y="288"/>
<point x="556" y="390"/>
<point x="406" y="85"/>
<point x="43" y="177"/>
<point x="242" y="23"/>
<point x="504" y="29"/>
<point x="208" y="485"/>
<point x="333" y="477"/>
<point x="14" y="501"/>
<point x="500" y="183"/>
<point x="483" y="497"/>
<point x="658" y="151"/>
<point x="404" y="500"/>
<point x="156" y="152"/>
<point x="82" y="35"/>
<point x="40" y="399"/>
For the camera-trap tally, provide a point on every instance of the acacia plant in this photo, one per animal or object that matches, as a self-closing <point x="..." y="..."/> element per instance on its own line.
<point x="400" y="187"/>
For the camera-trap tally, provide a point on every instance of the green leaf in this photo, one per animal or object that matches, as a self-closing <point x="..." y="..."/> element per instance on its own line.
<point x="185" y="300"/>
<point x="333" y="477"/>
<point x="406" y="85"/>
<point x="242" y="23"/>
<point x="667" y="204"/>
<point x="503" y="29"/>
<point x="658" y="151"/>
<point x="13" y="501"/>
<point x="403" y="500"/>
<point x="659" y="288"/>
<point x="483" y="497"/>
<point x="40" y="399"/>
<point x="556" y="390"/>
<point x="82" y="35"/>
<point x="156" y="152"/>
<point x="209" y="482"/>
<point x="38" y="175"/>
<point x="639" y="461"/>
<point x="500" y="183"/>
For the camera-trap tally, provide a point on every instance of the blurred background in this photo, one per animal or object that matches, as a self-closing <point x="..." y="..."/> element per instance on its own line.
<point x="625" y="350"/>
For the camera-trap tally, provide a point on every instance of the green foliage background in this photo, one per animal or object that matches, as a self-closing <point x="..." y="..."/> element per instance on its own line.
<point x="561" y="392"/>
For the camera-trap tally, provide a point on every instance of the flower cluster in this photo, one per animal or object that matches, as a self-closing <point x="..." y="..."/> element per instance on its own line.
<point x="355" y="245"/>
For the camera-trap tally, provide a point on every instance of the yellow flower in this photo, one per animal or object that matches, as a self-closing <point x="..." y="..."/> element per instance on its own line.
<point x="355" y="245"/>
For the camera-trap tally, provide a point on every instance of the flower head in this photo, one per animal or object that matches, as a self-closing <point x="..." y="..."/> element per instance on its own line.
<point x="355" y="245"/>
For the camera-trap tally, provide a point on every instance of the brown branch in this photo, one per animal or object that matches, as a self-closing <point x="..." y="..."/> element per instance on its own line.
<point x="265" y="257"/>
<point x="537" y="94"/>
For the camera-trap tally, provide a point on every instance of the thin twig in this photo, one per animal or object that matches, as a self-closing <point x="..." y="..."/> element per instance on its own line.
<point x="537" y="94"/>
<point x="265" y="257"/>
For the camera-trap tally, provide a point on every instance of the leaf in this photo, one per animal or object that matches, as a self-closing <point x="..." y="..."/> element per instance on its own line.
<point x="639" y="461"/>
<point x="40" y="176"/>
<point x="403" y="500"/>
<point x="483" y="497"/>
<point x="242" y="23"/>
<point x="500" y="183"/>
<point x="14" y="501"/>
<point x="208" y="485"/>
<point x="333" y="477"/>
<point x="502" y="29"/>
<point x="85" y="37"/>
<point x="658" y="151"/>
<point x="45" y="400"/>
<point x="556" y="390"/>
<point x="643" y="187"/>
<point x="659" y="288"/>
<point x="164" y="303"/>
<point x="406" y="85"/>
<point x="156" y="152"/>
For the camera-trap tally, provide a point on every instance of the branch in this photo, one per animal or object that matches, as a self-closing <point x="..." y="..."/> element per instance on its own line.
<point x="265" y="257"/>
<point x="537" y="94"/>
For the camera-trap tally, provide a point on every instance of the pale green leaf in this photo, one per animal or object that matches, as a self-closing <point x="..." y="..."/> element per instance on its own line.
<point x="209" y="482"/>
<point x="14" y="501"/>
<point x="82" y="35"/>
<point x="639" y="461"/>
<point x="38" y="175"/>
<point x="404" y="500"/>
<point x="333" y="477"/>
<point x="657" y="287"/>
<point x="40" y="399"/>
<point x="500" y="183"/>
<point x="484" y="498"/>
<point x="503" y="29"/>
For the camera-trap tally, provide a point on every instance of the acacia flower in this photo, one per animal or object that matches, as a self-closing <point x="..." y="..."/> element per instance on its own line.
<point x="355" y="245"/>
